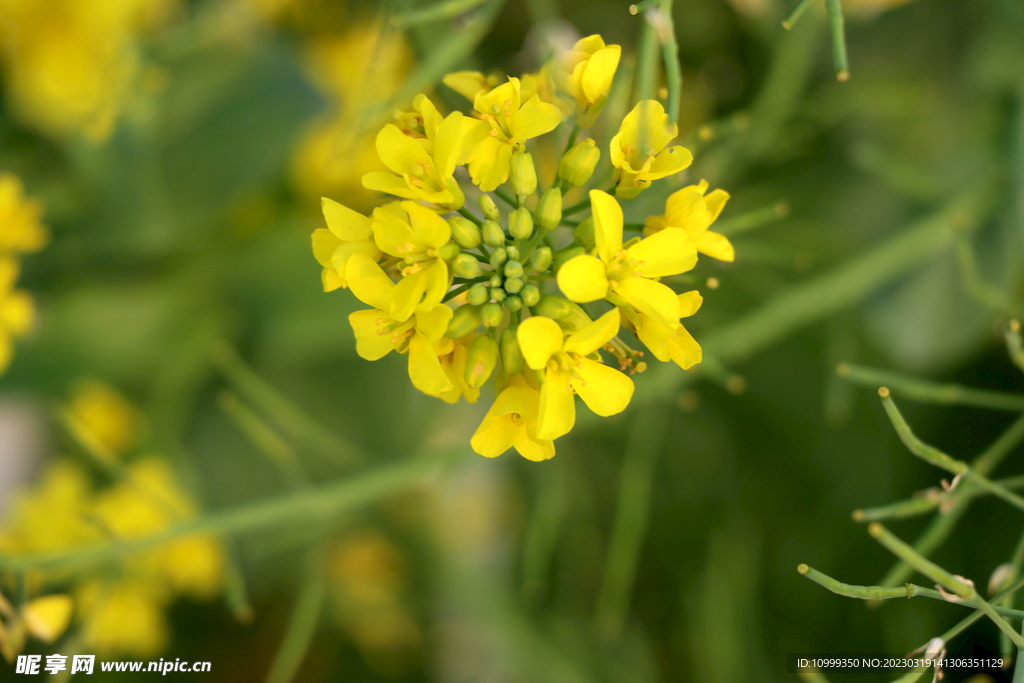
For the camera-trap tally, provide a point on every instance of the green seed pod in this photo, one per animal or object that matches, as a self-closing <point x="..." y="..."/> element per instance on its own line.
<point x="554" y="307"/>
<point x="520" y="224"/>
<point x="540" y="260"/>
<point x="466" y="266"/>
<point x="494" y="236"/>
<point x="523" y="174"/>
<point x="566" y="255"/>
<point x="489" y="208"/>
<point x="495" y="280"/>
<point x="465" y="232"/>
<point x="449" y="251"/>
<point x="513" y="269"/>
<point x="478" y="294"/>
<point x="579" y="163"/>
<point x="511" y="356"/>
<point x="584" y="233"/>
<point x="498" y="294"/>
<point x="530" y="295"/>
<point x="513" y="285"/>
<point x="498" y="257"/>
<point x="513" y="253"/>
<point x="548" y="213"/>
<point x="480" y="360"/>
<point x="464" y="320"/>
<point x="513" y="303"/>
<point x="491" y="315"/>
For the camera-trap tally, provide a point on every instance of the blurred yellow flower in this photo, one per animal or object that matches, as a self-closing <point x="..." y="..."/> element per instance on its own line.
<point x="694" y="212"/>
<point x="21" y="230"/>
<point x="17" y="311"/>
<point x="470" y="83"/>
<point x="102" y="419"/>
<point x="638" y="150"/>
<point x="586" y="73"/>
<point x="121" y="617"/>
<point x="48" y="617"/>
<point x="51" y="516"/>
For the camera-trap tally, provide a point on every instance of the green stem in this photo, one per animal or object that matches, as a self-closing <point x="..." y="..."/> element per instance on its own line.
<point x="302" y="622"/>
<point x="465" y="213"/>
<point x="265" y="439"/>
<point x="835" y="18"/>
<point x="647" y="63"/>
<point x="928" y="501"/>
<point x="931" y="392"/>
<point x="670" y="53"/>
<point x="505" y="197"/>
<point x="753" y="219"/>
<point x="438" y="12"/>
<point x="575" y="208"/>
<point x="1014" y="345"/>
<point x="797" y="12"/>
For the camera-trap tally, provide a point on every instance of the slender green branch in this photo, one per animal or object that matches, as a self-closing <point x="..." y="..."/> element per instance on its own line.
<point x="265" y="439"/>
<point x="439" y="12"/>
<point x="646" y="64"/>
<point x="670" y="54"/>
<point x="984" y="293"/>
<point x="752" y="219"/>
<point x="505" y="197"/>
<point x="798" y="11"/>
<point x="835" y="18"/>
<point x="302" y="623"/>
<point x="1014" y="345"/>
<point x="931" y="392"/>
<point x="928" y="501"/>
<point x="465" y="213"/>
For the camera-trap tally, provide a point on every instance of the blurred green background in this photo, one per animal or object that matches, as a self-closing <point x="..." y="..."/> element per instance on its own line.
<point x="184" y="228"/>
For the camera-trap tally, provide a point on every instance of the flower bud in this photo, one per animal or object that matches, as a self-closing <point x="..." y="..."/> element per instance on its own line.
<point x="530" y="295"/>
<point x="513" y="303"/>
<point x="464" y="320"/>
<point x="511" y="356"/>
<point x="513" y="285"/>
<point x="566" y="255"/>
<point x="449" y="251"/>
<point x="465" y="232"/>
<point x="491" y="315"/>
<point x="498" y="294"/>
<point x="498" y="257"/>
<point x="495" y="280"/>
<point x="480" y="360"/>
<point x="513" y="253"/>
<point x="554" y="307"/>
<point x="488" y="207"/>
<point x="584" y="233"/>
<point x="494" y="236"/>
<point x="548" y="213"/>
<point x="541" y="259"/>
<point x="478" y="294"/>
<point x="520" y="224"/>
<point x="513" y="269"/>
<point x="579" y="163"/>
<point x="466" y="266"/>
<point x="523" y="174"/>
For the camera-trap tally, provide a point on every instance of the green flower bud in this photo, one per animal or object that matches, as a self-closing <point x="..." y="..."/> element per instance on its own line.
<point x="541" y="259"/>
<point x="495" y="280"/>
<point x="498" y="294"/>
<point x="491" y="315"/>
<point x="554" y="307"/>
<point x="520" y="224"/>
<point x="513" y="253"/>
<point x="489" y="208"/>
<point x="524" y="174"/>
<point x="566" y="255"/>
<point x="465" y="232"/>
<point x="498" y="257"/>
<point x="466" y="266"/>
<point x="548" y="213"/>
<point x="480" y="360"/>
<point x="513" y="303"/>
<point x="584" y="233"/>
<point x="511" y="356"/>
<point x="494" y="236"/>
<point x="579" y="163"/>
<point x="530" y="295"/>
<point x="478" y="294"/>
<point x="464" y="320"/>
<point x="513" y="285"/>
<point x="448" y="251"/>
<point x="513" y="269"/>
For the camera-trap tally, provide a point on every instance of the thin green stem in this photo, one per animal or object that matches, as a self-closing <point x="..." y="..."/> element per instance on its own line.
<point x="439" y="12"/>
<point x="575" y="208"/>
<point x="931" y="392"/>
<point x="670" y="54"/>
<point x="927" y="501"/>
<point x="798" y="11"/>
<point x="505" y="197"/>
<point x="646" y="64"/>
<point x="1014" y="344"/>
<point x="984" y="293"/>
<point x="265" y="439"/>
<point x="302" y="622"/>
<point x="752" y="219"/>
<point x="465" y="213"/>
<point x="835" y="18"/>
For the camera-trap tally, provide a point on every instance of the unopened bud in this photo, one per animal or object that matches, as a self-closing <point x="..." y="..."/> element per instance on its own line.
<point x="578" y="163"/>
<point x="520" y="224"/>
<point x="466" y="266"/>
<point x="554" y="307"/>
<point x="464" y="320"/>
<point x="513" y="269"/>
<point x="498" y="294"/>
<point x="491" y="315"/>
<point x="530" y="295"/>
<point x="498" y="257"/>
<point x="1002" y="577"/>
<point x="541" y="259"/>
<point x="494" y="236"/>
<point x="449" y="251"/>
<point x="548" y="213"/>
<point x="513" y="285"/>
<point x="511" y="356"/>
<point x="523" y="174"/>
<point x="489" y="208"/>
<point x="495" y="280"/>
<point x="584" y="233"/>
<point x="513" y="253"/>
<point x="465" y="232"/>
<point x="478" y="294"/>
<point x="566" y="255"/>
<point x="513" y="303"/>
<point x="480" y="360"/>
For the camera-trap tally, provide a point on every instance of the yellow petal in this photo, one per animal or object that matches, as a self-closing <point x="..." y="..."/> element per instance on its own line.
<point x="605" y="390"/>
<point x="589" y="45"/>
<point x="656" y="337"/>
<point x="539" y="339"/>
<point x="493" y="102"/>
<point x="557" y="410"/>
<point x="689" y="303"/>
<point x="408" y="294"/>
<point x="341" y="255"/>
<point x="594" y="335"/>
<point x="17" y="312"/>
<point x="345" y="223"/>
<point x="331" y="279"/>
<point x="495" y="435"/>
<point x="582" y="279"/>
<point x="687" y="209"/>
<point x="373" y="341"/>
<point x="597" y="79"/>
<point x="381" y="181"/>
<point x="607" y="224"/>
<point x="425" y="369"/>
<point x="534" y="119"/>
<point x="433" y="322"/>
<point x="533" y="449"/>
<point x="716" y="202"/>
<point x="368" y="282"/>
<point x="47" y="618"/>
<point x="685" y="350"/>
<point x="491" y="165"/>
<point x="392" y="233"/>
<point x="324" y="244"/>
<point x="448" y="144"/>
<point x="651" y="298"/>
<point x="668" y="252"/>
<point x="429" y="229"/>
<point x="715" y="245"/>
<point x="399" y="152"/>
<point x="669" y="161"/>
<point x="466" y="83"/>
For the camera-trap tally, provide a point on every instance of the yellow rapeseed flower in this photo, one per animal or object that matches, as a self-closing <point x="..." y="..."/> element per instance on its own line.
<point x="627" y="275"/>
<point x="694" y="212"/>
<point x="347" y="233"/>
<point x="587" y="73"/>
<point x="638" y="150"/>
<point x="511" y="422"/>
<point x="17" y="311"/>
<point x="469" y="83"/>
<point x="121" y="617"/>
<point x="566" y="368"/>
<point x="20" y="228"/>
<point x="47" y="618"/>
<point x="454" y="365"/>
<point x="671" y="342"/>
<point x="101" y="418"/>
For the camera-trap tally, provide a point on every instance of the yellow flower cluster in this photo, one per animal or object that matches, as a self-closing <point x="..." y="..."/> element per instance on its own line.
<point x="21" y="232"/>
<point x="468" y="296"/>
<point x="69" y="65"/>
<point x="120" y="611"/>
